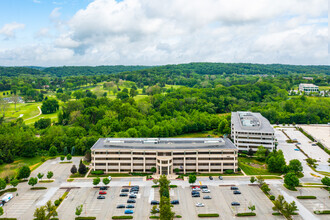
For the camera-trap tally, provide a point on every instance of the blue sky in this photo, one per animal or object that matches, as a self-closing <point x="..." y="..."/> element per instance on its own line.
<point x="153" y="32"/>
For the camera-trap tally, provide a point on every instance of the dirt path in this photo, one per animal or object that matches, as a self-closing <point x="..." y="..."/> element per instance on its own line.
<point x="40" y="112"/>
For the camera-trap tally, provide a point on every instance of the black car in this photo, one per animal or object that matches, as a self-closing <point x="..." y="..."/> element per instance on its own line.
<point x="123" y="194"/>
<point x="134" y="190"/>
<point x="194" y="192"/>
<point x="237" y="192"/>
<point x="235" y="204"/>
<point x="131" y="201"/>
<point x="207" y="197"/>
<point x="132" y="196"/>
<point x="124" y="190"/>
<point x="130" y="206"/>
<point x="154" y="202"/>
<point x="101" y="197"/>
<point x="120" y="206"/>
<point x="220" y="177"/>
<point x="203" y="186"/>
<point x="210" y="177"/>
<point x="196" y="195"/>
<point x="174" y="202"/>
<point x="103" y="188"/>
<point x="234" y="188"/>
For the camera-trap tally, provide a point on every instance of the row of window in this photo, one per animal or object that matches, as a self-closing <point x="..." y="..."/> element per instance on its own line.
<point x="187" y="164"/>
<point x="163" y="153"/>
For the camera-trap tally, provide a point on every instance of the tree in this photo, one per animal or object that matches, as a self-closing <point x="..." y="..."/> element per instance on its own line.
<point x="311" y="162"/>
<point x="260" y="180"/>
<point x="82" y="168"/>
<point x="62" y="157"/>
<point x="192" y="178"/>
<point x="252" y="207"/>
<point x="176" y="170"/>
<point x="261" y="153"/>
<point x="289" y="209"/>
<point x="73" y="169"/>
<point x="155" y="181"/>
<point x="24" y="172"/>
<point x="153" y="169"/>
<point x="279" y="203"/>
<point x="51" y="209"/>
<point x="40" y="213"/>
<point x="68" y="157"/>
<point x="14" y="182"/>
<point x="33" y="181"/>
<point x="250" y="152"/>
<point x="40" y="175"/>
<point x="3" y="184"/>
<point x="79" y="209"/>
<point x="9" y="158"/>
<point x="133" y="92"/>
<point x="1" y="211"/>
<point x="154" y="210"/>
<point x="65" y="151"/>
<point x="325" y="181"/>
<point x="295" y="166"/>
<point x="106" y="181"/>
<point x="265" y="188"/>
<point x="165" y="212"/>
<point x="49" y="106"/>
<point x="73" y="149"/>
<point x="291" y="180"/>
<point x="252" y="179"/>
<point x="96" y="181"/>
<point x="52" y="151"/>
<point x="50" y="174"/>
<point x="42" y="123"/>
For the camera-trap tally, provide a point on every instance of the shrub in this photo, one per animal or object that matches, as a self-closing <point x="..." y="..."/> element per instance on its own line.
<point x="122" y="217"/>
<point x="209" y="215"/>
<point x="173" y="186"/>
<point x="324" y="212"/>
<point x="154" y="217"/>
<point x="38" y="188"/>
<point x="246" y="214"/>
<point x="8" y="218"/>
<point x="97" y="172"/>
<point x="57" y="202"/>
<point x="276" y="213"/>
<point x="306" y="197"/>
<point x="229" y="172"/>
<point x="62" y="157"/>
<point x="85" y="218"/>
<point x="178" y="216"/>
<point x="155" y="186"/>
<point x="272" y="197"/>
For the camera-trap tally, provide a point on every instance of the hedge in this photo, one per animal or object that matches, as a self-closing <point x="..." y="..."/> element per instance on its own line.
<point x="155" y="186"/>
<point x="8" y="218"/>
<point x="38" y="188"/>
<point x="8" y="190"/>
<point x="46" y="181"/>
<point x="306" y="197"/>
<point x="246" y="214"/>
<point x="173" y="186"/>
<point x="122" y="217"/>
<point x="324" y="212"/>
<point x="276" y="213"/>
<point x="85" y="218"/>
<point x="272" y="197"/>
<point x="154" y="217"/>
<point x="209" y="215"/>
<point x="178" y="216"/>
<point x="97" y="172"/>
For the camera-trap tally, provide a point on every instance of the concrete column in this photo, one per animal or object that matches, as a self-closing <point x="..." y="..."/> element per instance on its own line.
<point x="196" y="161"/>
<point x="209" y="167"/>
<point x="222" y="167"/>
<point x="184" y="162"/>
<point x="168" y="169"/>
<point x="106" y="167"/>
<point x="131" y="161"/>
<point x="160" y="173"/>
<point x="144" y="162"/>
<point x="119" y="167"/>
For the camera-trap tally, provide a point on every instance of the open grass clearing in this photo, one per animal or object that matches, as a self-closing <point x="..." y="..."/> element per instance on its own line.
<point x="251" y="166"/>
<point x="203" y="134"/>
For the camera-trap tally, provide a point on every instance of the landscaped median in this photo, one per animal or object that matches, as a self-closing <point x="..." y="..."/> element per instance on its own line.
<point x="306" y="197"/>
<point x="38" y="188"/>
<point x="122" y="217"/>
<point x="242" y="214"/>
<point x="8" y="190"/>
<point x="157" y="217"/>
<point x="46" y="181"/>
<point x="208" y="215"/>
<point x="85" y="218"/>
<point x="8" y="218"/>
<point x="324" y="212"/>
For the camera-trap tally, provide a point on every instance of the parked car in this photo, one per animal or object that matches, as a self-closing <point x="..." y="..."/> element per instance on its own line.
<point x="206" y="191"/>
<point x="6" y="198"/>
<point x="220" y="178"/>
<point x="175" y="202"/>
<point x="109" y="177"/>
<point x="157" y="211"/>
<point x="134" y="192"/>
<point x="124" y="190"/>
<point x="131" y="201"/>
<point x="210" y="177"/>
<point x="130" y="206"/>
<point x="129" y="211"/>
<point x="196" y="189"/>
<point x="101" y="197"/>
<point x="194" y="192"/>
<point x="296" y="149"/>
<point x="120" y="206"/>
<point x="154" y="202"/>
<point x="203" y="186"/>
<point x="102" y="193"/>
<point x="199" y="204"/>
<point x="207" y="197"/>
<point x="235" y="204"/>
<point x="103" y="188"/>
<point x="132" y="196"/>
<point x="237" y="192"/>
<point x="123" y="194"/>
<point x="196" y="195"/>
<point x="234" y="188"/>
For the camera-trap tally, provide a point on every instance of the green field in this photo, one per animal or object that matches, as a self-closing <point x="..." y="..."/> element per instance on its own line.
<point x="25" y="110"/>
<point x="251" y="166"/>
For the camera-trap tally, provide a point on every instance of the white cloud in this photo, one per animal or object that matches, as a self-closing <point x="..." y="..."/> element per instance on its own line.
<point x="8" y="30"/>
<point x="37" y="1"/>
<point x="55" y="14"/>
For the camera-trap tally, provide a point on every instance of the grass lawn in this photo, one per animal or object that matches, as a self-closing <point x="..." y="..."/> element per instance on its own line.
<point x="202" y="134"/>
<point x="25" y="110"/>
<point x="251" y="166"/>
<point x="53" y="117"/>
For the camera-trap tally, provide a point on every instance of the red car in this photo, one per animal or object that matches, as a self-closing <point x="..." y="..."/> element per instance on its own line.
<point x="102" y="193"/>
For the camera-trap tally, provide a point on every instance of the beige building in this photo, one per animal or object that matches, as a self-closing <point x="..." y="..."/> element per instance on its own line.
<point x="203" y="155"/>
<point x="307" y="88"/>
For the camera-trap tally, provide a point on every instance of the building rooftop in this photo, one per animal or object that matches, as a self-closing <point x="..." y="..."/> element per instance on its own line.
<point x="250" y="121"/>
<point x="164" y="143"/>
<point x="307" y="85"/>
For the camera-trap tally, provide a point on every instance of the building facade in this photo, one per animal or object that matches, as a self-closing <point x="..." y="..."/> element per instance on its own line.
<point x="202" y="155"/>
<point x="307" y="88"/>
<point x="250" y="130"/>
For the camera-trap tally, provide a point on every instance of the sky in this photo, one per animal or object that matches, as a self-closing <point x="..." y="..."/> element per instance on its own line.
<point x="154" y="32"/>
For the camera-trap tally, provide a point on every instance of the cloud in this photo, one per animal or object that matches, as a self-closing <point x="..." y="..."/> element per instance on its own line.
<point x="42" y="33"/>
<point x="37" y="1"/>
<point x="8" y="30"/>
<point x="55" y="14"/>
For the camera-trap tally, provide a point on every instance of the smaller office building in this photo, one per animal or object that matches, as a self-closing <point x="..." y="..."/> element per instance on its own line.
<point x="307" y="88"/>
<point x="202" y="155"/>
<point x="250" y="130"/>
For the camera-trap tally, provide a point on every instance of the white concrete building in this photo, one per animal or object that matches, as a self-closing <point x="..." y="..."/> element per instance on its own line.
<point x="307" y="88"/>
<point x="202" y="155"/>
<point x="250" y="130"/>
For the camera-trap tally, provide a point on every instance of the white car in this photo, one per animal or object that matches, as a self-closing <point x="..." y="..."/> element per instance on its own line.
<point x="109" y="177"/>
<point x="196" y="189"/>
<point x="206" y="191"/>
<point x="199" y="204"/>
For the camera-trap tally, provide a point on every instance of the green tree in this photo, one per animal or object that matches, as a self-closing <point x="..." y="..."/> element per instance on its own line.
<point x="260" y="180"/>
<point x="289" y="209"/>
<point x="68" y="157"/>
<point x="153" y="169"/>
<point x="325" y="181"/>
<point x="295" y="166"/>
<point x="40" y="213"/>
<point x="52" y="151"/>
<point x="33" y="181"/>
<point x="40" y="175"/>
<point x="154" y="210"/>
<point x="74" y="169"/>
<point x="1" y="211"/>
<point x="176" y="170"/>
<point x="51" y="209"/>
<point x="192" y="178"/>
<point x="79" y="209"/>
<point x="165" y="212"/>
<point x="291" y="180"/>
<point x="24" y="172"/>
<point x="261" y="153"/>
<point x="82" y="168"/>
<point x="42" y="123"/>
<point x="252" y="179"/>
<point x="133" y="92"/>
<point x="252" y="207"/>
<point x="49" y="106"/>
<point x="279" y="203"/>
<point x="3" y="184"/>
<point x="265" y="188"/>
<point x="14" y="182"/>
<point x="311" y="162"/>
<point x="50" y="174"/>
<point x="106" y="181"/>
<point x="96" y="181"/>
<point x="62" y="157"/>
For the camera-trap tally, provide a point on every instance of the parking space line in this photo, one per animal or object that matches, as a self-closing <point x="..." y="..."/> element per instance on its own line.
<point x="129" y="184"/>
<point x="200" y="183"/>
